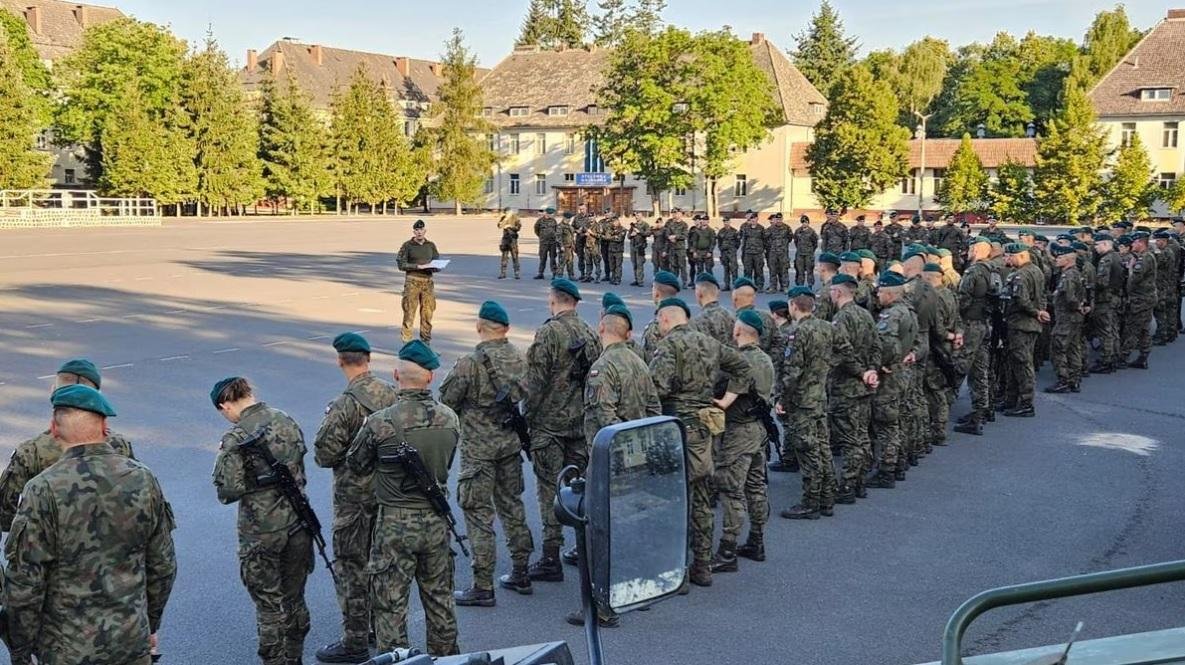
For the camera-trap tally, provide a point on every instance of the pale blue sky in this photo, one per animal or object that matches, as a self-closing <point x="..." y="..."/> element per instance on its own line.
<point x="418" y="28"/>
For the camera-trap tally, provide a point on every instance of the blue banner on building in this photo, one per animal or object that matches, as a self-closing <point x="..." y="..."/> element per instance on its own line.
<point x="594" y="179"/>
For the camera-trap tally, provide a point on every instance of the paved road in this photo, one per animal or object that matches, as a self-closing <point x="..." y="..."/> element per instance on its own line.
<point x="1092" y="483"/>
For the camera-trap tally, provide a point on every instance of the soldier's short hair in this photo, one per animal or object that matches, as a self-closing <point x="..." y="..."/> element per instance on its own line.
<point x="802" y="303"/>
<point x="235" y="390"/>
<point x="354" y="358"/>
<point x="564" y="298"/>
<point x="666" y="290"/>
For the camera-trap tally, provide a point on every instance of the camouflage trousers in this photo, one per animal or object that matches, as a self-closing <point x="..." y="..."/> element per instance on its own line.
<point x="885" y="426"/>
<point x="849" y="420"/>
<point x="550" y="453"/>
<point x="567" y="261"/>
<point x="1020" y="371"/>
<point x="418" y="296"/>
<point x="412" y="544"/>
<point x="698" y="455"/>
<point x="638" y="260"/>
<point x="510" y="254"/>
<point x="581" y="258"/>
<point x="613" y="269"/>
<point x="679" y="263"/>
<point x="352" y="526"/>
<point x="915" y="411"/>
<point x="1067" y="351"/>
<point x="728" y="261"/>
<point x="804" y="269"/>
<point x="1102" y="324"/>
<point x="808" y="427"/>
<point x="486" y="488"/>
<point x="549" y="252"/>
<point x="1137" y="333"/>
<point x="274" y="567"/>
<point x="740" y="479"/>
<point x="1165" y="315"/>
<point x="975" y="346"/>
<point x="779" y="270"/>
<point x="754" y="265"/>
<point x="702" y="261"/>
<point x="593" y="258"/>
<point x="937" y="395"/>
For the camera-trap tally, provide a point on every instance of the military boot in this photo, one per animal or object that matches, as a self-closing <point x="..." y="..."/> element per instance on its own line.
<point x="965" y="418"/>
<point x="973" y="426"/>
<point x="1141" y="362"/>
<point x="474" y="597"/>
<point x="725" y="560"/>
<point x="502" y="275"/>
<point x="339" y="653"/>
<point x="801" y="512"/>
<point x="570" y="557"/>
<point x="548" y="568"/>
<point x="1021" y="411"/>
<point x="912" y="459"/>
<point x="701" y="573"/>
<point x="1058" y="388"/>
<point x="883" y="480"/>
<point x="1076" y="387"/>
<point x="1101" y="368"/>
<point x="754" y="547"/>
<point x="576" y="618"/>
<point x="784" y="465"/>
<point x="518" y="580"/>
<point x="845" y="495"/>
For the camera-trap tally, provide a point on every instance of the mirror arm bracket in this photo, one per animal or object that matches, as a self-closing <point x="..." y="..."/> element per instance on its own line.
<point x="569" y="510"/>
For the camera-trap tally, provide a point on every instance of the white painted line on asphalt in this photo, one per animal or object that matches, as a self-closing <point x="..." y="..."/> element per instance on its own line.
<point x="143" y="279"/>
<point x="89" y="320"/>
<point x="370" y="310"/>
<point x="118" y="366"/>
<point x="40" y="325"/>
<point x="169" y="358"/>
<point x="363" y="331"/>
<point x="47" y="376"/>
<point x="230" y="350"/>
<point x="318" y="337"/>
<point x="176" y="311"/>
<point x="283" y="341"/>
<point x="176" y="276"/>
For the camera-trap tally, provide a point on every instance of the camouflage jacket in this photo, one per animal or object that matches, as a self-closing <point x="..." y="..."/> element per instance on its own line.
<point x="806" y="241"/>
<point x="855" y="348"/>
<point x="1110" y="280"/>
<point x="1068" y="298"/>
<point x="1141" y="281"/>
<point x="615" y="234"/>
<point x="262" y="509"/>
<point x="778" y="237"/>
<point x="90" y="561"/>
<point x="834" y="237"/>
<point x="510" y="226"/>
<point x="881" y="244"/>
<point x="343" y="418"/>
<point x="661" y="244"/>
<point x="946" y="321"/>
<point x="752" y="237"/>
<point x="824" y="306"/>
<point x="896" y="232"/>
<point x="650" y="338"/>
<point x="701" y="239"/>
<point x="771" y="340"/>
<point x="859" y="237"/>
<point x="974" y="289"/>
<point x="728" y="239"/>
<point x="566" y="235"/>
<point x="760" y="386"/>
<point x="1026" y="289"/>
<point x="715" y="322"/>
<point x="676" y="233"/>
<point x="1166" y="271"/>
<point x="555" y="386"/>
<point x="639" y="234"/>
<point x="471" y="391"/>
<point x="619" y="388"/>
<point x="805" y="365"/>
<point x="545" y="227"/>
<point x="31" y="458"/>
<point x="924" y="301"/>
<point x="896" y="326"/>
<point x="680" y="371"/>
<point x="916" y="233"/>
<point x="415" y="418"/>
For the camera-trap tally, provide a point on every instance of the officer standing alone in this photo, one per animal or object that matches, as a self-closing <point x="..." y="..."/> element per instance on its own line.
<point x="419" y="294"/>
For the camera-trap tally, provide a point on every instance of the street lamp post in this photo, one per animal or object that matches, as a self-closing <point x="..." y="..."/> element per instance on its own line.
<point x="922" y="164"/>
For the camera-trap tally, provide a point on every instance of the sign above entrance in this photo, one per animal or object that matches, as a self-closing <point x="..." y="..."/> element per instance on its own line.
<point x="594" y="179"/>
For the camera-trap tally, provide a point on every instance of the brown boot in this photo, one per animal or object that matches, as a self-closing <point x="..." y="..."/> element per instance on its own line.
<point x="548" y="568"/>
<point x="701" y="573"/>
<point x="725" y="560"/>
<point x="518" y="580"/>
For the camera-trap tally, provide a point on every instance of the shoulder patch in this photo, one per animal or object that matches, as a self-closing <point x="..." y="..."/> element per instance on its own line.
<point x="594" y="373"/>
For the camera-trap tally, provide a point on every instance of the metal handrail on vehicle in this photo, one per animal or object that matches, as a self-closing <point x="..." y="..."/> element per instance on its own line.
<point x="1065" y="587"/>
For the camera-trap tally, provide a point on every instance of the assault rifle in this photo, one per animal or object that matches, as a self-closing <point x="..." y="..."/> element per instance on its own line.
<point x="280" y="476"/>
<point x="409" y="458"/>
<point x="764" y="413"/>
<point x="514" y="418"/>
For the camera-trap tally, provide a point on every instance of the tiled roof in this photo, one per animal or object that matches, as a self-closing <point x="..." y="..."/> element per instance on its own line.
<point x="537" y="79"/>
<point x="992" y="152"/>
<point x="1157" y="61"/>
<point x="61" y="23"/>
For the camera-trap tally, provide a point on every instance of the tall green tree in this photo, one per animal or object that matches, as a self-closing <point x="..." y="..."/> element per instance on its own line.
<point x="1011" y="195"/>
<point x="461" y="158"/>
<point x="23" y="57"/>
<point x="859" y="149"/>
<point x="145" y="155"/>
<point x="1130" y="190"/>
<point x="1044" y="64"/>
<point x="965" y="185"/>
<point x="618" y="16"/>
<point x="990" y="89"/>
<point x="293" y="146"/>
<point x="823" y="50"/>
<point x="1108" y="39"/>
<point x="1070" y="159"/>
<point x="555" y="23"/>
<point x="223" y="130"/>
<point x="21" y="167"/>
<point x="1174" y="197"/>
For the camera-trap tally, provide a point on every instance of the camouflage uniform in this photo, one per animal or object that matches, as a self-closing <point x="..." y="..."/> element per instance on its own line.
<point x="1167" y="278"/>
<point x="619" y="389"/>
<point x="615" y="246"/>
<point x="685" y="389"/>
<point x="650" y="338"/>
<point x="953" y="238"/>
<point x="31" y="458"/>
<point x="90" y="561"/>
<point x="545" y="231"/>
<point x="897" y="329"/>
<point x="856" y="350"/>
<point x="974" y="307"/>
<point x="660" y="253"/>
<point x="638" y="236"/>
<point x="915" y="233"/>
<point x="806" y="241"/>
<point x="411" y="541"/>
<point x="676" y="232"/>
<point x="771" y="339"/>
<point x="1068" y="301"/>
<point x="1141" y="301"/>
<point x="354" y="507"/>
<point x="580" y="224"/>
<point x="566" y="237"/>
<point x="418" y="292"/>
<point x="753" y="251"/>
<point x="881" y="244"/>
<point x="592" y="251"/>
<point x="491" y="475"/>
<point x="777" y="248"/>
<point x="700" y="241"/>
<point x="937" y="387"/>
<point x="715" y="322"/>
<point x="728" y="240"/>
<point x="824" y="306"/>
<point x="1110" y="281"/>
<point x="834" y="237"/>
<point x="510" y="225"/>
<point x="275" y="555"/>
<point x="915" y="411"/>
<point x="554" y="413"/>
<point x="1026" y="287"/>
<point x="740" y="467"/>
<point x="859" y="237"/>
<point x="896" y="232"/>
<point x="803" y="395"/>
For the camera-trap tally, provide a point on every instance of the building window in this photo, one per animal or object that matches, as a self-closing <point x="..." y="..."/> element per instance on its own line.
<point x="593" y="109"/>
<point x="71" y="180"/>
<point x="409" y="127"/>
<point x="741" y="188"/>
<point x="680" y="191"/>
<point x="939" y="176"/>
<point x="557" y="110"/>
<point x="493" y="142"/>
<point x="540" y="144"/>
<point x="489" y="186"/>
<point x="518" y="111"/>
<point x="516" y="144"/>
<point x="569" y="177"/>
<point x="1129" y="130"/>
<point x="514" y="184"/>
<point x="540" y="184"/>
<point x="1170" y="135"/>
<point x="42" y="140"/>
<point x="1166" y="180"/>
<point x="909" y="184"/>
<point x="1156" y="94"/>
<point x="487" y="111"/>
<point x="570" y="145"/>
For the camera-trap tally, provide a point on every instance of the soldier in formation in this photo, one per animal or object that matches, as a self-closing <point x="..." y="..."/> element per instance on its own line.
<point x="639" y="236"/>
<point x="833" y="235"/>
<point x="566" y="239"/>
<point x="701" y="240"/>
<point x="728" y="240"/>
<point x="859" y="236"/>
<point x="676" y="233"/>
<point x="753" y="249"/>
<point x="806" y="242"/>
<point x="510" y="226"/>
<point x="777" y="247"/>
<point x="580" y="225"/>
<point x="545" y="231"/>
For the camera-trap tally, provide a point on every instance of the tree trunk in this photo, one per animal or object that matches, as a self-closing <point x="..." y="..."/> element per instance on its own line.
<point x="456" y="208"/>
<point x="713" y="203"/>
<point x="655" y="204"/>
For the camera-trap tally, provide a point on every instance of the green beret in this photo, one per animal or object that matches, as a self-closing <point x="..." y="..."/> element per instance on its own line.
<point x="82" y="367"/>
<point x="866" y="254"/>
<point x="829" y="258"/>
<point x="1065" y="236"/>
<point x="1161" y="234"/>
<point x="1061" y="250"/>
<point x="1140" y="235"/>
<point x="1126" y="241"/>
<point x="850" y="257"/>
<point x="620" y="310"/>
<point x="1041" y="238"/>
<point x="1025" y="232"/>
<point x="216" y="391"/>
<point x="1100" y="237"/>
<point x="1079" y="246"/>
<point x="890" y="278"/>
<point x="674" y="302"/>
<point x="1082" y="229"/>
<point x="667" y="278"/>
<point x="843" y="279"/>
<point x="78" y="396"/>
<point x="779" y="306"/>
<point x="751" y="318"/>
<point x="610" y="299"/>
<point x="493" y="312"/>
<point x="1016" y="248"/>
<point x="421" y="354"/>
<point x="911" y="255"/>
<point x="931" y="250"/>
<point x="797" y="291"/>
<point x="942" y="251"/>
<point x="978" y="239"/>
<point x="419" y="224"/>
<point x="708" y="278"/>
<point x="351" y="341"/>
<point x="565" y="286"/>
<point x="568" y="214"/>
<point x="932" y="267"/>
<point x="915" y="247"/>
<point x="549" y="210"/>
<point x="741" y="282"/>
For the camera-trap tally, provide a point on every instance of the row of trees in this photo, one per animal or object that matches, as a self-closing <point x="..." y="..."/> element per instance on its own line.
<point x="569" y="23"/>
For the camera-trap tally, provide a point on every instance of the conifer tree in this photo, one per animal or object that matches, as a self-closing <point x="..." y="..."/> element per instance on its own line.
<point x="21" y="167"/>
<point x="461" y="158"/>
<point x="293" y="146"/>
<point x="965" y="185"/>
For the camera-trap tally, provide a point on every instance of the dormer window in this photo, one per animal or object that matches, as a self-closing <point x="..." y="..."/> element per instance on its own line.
<point x="593" y="109"/>
<point x="487" y="111"/>
<point x="557" y="110"/>
<point x="1156" y="94"/>
<point x="518" y="111"/>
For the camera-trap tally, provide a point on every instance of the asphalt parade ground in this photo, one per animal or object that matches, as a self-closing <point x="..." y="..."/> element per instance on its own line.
<point x="1094" y="482"/>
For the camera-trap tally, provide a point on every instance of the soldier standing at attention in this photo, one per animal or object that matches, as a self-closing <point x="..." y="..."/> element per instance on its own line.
<point x="275" y="553"/>
<point x="897" y="328"/>
<point x="1141" y="300"/>
<point x="566" y="237"/>
<point x="895" y="231"/>
<point x="753" y="249"/>
<point x="728" y="240"/>
<point x="802" y="396"/>
<point x="700" y="241"/>
<point x="857" y="353"/>
<point x="418" y="291"/>
<point x="834" y="235"/>
<point x="916" y="233"/>
<point x="1167" y="279"/>
<point x="740" y="466"/>
<point x="676" y="232"/>
<point x="974" y="292"/>
<point x="580" y="224"/>
<point x="615" y="242"/>
<point x="1069" y="303"/>
<point x="545" y="231"/>
<point x="681" y="371"/>
<point x="510" y="225"/>
<point x="953" y="239"/>
<point x="1025" y="313"/>
<point x="1110" y="281"/>
<point x="806" y="241"/>
<point x="592" y="250"/>
<point x="491" y="476"/>
<point x="712" y="320"/>
<point x="558" y="362"/>
<point x="744" y="297"/>
<point x="354" y="507"/>
<point x="941" y="365"/>
<point x="90" y="558"/>
<point x="658" y="255"/>
<point x="411" y="540"/>
<point x="666" y="285"/>
<point x="777" y="246"/>
<point x="42" y="451"/>
<point x="604" y="230"/>
<point x="859" y="237"/>
<point x="881" y="244"/>
<point x="638" y="235"/>
<point x="610" y="299"/>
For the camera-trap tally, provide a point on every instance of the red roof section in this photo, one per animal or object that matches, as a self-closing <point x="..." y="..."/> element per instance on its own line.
<point x="992" y="152"/>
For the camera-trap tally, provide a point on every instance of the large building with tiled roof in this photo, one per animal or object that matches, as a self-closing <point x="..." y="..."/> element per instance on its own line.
<point x="541" y="103"/>
<point x="1144" y="93"/>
